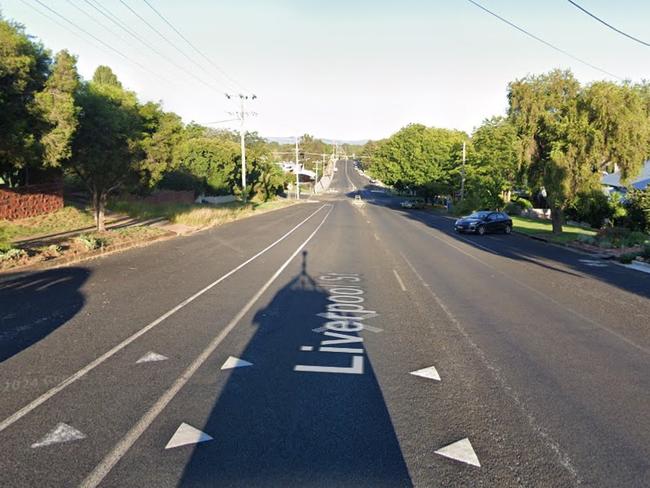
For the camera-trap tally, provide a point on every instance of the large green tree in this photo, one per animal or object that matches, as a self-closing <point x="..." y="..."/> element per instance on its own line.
<point x="56" y="105"/>
<point x="419" y="157"/>
<point x="24" y="68"/>
<point x="162" y="134"/>
<point x="494" y="161"/>
<point x="570" y="133"/>
<point x="106" y="149"/>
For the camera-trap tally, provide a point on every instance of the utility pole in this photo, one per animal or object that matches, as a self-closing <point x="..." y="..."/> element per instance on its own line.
<point x="462" y="176"/>
<point x="241" y="115"/>
<point x="297" y="172"/>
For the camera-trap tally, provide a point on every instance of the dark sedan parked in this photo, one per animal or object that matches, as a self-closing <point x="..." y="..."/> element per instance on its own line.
<point x="483" y="222"/>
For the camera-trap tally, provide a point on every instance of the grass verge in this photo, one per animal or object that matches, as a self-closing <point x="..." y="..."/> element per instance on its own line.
<point x="544" y="229"/>
<point x="64" y="220"/>
<point x="196" y="215"/>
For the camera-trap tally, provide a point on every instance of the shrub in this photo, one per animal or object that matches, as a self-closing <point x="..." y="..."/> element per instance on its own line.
<point x="627" y="258"/>
<point x="5" y="245"/>
<point x="646" y="251"/>
<point x="92" y="242"/>
<point x="523" y="203"/>
<point x="635" y="238"/>
<point x="12" y="254"/>
<point x="638" y="209"/>
<point x="592" y="207"/>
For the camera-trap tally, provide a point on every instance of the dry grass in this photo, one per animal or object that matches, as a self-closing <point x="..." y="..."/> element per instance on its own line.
<point x="197" y="215"/>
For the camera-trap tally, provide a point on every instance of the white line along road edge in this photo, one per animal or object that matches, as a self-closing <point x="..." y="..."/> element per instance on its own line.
<point x="121" y="448"/>
<point x="93" y="364"/>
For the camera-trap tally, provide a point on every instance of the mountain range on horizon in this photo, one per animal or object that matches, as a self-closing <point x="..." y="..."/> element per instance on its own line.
<point x="291" y="140"/>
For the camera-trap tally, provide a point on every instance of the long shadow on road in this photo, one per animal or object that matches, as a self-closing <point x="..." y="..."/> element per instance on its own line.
<point x="33" y="306"/>
<point x="530" y="251"/>
<point x="274" y="426"/>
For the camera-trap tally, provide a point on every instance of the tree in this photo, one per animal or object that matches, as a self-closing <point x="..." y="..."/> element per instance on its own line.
<point x="494" y="163"/>
<point x="418" y="157"/>
<point x="56" y="105"/>
<point x="162" y="133"/>
<point x="24" y="67"/>
<point x="569" y="134"/>
<point x="104" y="76"/>
<point x="105" y="148"/>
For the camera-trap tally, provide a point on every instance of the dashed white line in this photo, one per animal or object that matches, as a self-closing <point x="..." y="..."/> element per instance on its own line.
<point x="399" y="280"/>
<point x="93" y="364"/>
<point x="122" y="447"/>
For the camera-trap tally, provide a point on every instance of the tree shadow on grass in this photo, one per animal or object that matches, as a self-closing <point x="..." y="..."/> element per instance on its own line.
<point x="32" y="306"/>
<point x="274" y="426"/>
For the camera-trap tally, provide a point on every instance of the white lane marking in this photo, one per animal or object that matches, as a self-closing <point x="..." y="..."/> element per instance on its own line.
<point x="562" y="456"/>
<point x="151" y="357"/>
<point x="399" y="280"/>
<point x="462" y="451"/>
<point x="354" y="188"/>
<point x="61" y="433"/>
<point x="121" y="448"/>
<point x="431" y="373"/>
<point x="186" y="434"/>
<point x="233" y="362"/>
<point x="93" y="364"/>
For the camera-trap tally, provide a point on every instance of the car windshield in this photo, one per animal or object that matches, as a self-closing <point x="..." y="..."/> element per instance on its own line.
<point x="478" y="215"/>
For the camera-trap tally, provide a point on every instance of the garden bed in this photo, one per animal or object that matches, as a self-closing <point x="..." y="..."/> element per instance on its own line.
<point x="80" y="247"/>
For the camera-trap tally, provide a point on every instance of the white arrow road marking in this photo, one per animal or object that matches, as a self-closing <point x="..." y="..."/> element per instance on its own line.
<point x="186" y="434"/>
<point x="233" y="362"/>
<point x="150" y="357"/>
<point x="61" y="433"/>
<point x="431" y="372"/>
<point x="462" y="451"/>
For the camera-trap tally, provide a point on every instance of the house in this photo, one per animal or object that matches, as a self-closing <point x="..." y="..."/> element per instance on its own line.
<point x="304" y="175"/>
<point x="612" y="181"/>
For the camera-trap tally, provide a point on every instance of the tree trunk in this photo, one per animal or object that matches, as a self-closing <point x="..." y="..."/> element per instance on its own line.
<point x="99" y="203"/>
<point x="557" y="219"/>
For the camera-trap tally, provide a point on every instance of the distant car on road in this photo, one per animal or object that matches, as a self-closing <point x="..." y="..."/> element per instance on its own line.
<point x="483" y="222"/>
<point x="412" y="203"/>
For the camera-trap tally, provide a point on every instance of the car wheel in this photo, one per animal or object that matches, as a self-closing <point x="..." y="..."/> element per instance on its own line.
<point x="508" y="229"/>
<point x="480" y="230"/>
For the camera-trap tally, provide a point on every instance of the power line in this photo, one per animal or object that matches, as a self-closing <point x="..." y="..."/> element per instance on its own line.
<point x="217" y="67"/>
<point x="608" y="25"/>
<point x="115" y="20"/>
<point x="104" y="26"/>
<point x="560" y="50"/>
<point x="100" y="41"/>
<point x="164" y="37"/>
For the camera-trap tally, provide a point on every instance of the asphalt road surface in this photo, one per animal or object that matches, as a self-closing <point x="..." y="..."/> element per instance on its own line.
<point x="280" y="351"/>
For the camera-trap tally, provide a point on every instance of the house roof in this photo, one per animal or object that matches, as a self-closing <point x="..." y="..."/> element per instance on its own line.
<point x="640" y="182"/>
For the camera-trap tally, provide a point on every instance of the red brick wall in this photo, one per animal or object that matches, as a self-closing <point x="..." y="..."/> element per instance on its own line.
<point x="31" y="200"/>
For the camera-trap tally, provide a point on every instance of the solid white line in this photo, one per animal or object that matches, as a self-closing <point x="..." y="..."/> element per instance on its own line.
<point x="561" y="455"/>
<point x="122" y="447"/>
<point x="354" y="188"/>
<point x="93" y="364"/>
<point x="399" y="280"/>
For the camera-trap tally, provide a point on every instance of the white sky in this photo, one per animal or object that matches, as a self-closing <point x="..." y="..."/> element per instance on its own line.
<point x="346" y="69"/>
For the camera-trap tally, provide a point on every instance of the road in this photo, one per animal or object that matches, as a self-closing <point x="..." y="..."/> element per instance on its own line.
<point x="280" y="350"/>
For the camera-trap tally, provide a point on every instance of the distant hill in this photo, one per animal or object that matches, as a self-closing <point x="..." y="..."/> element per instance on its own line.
<point x="291" y="140"/>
